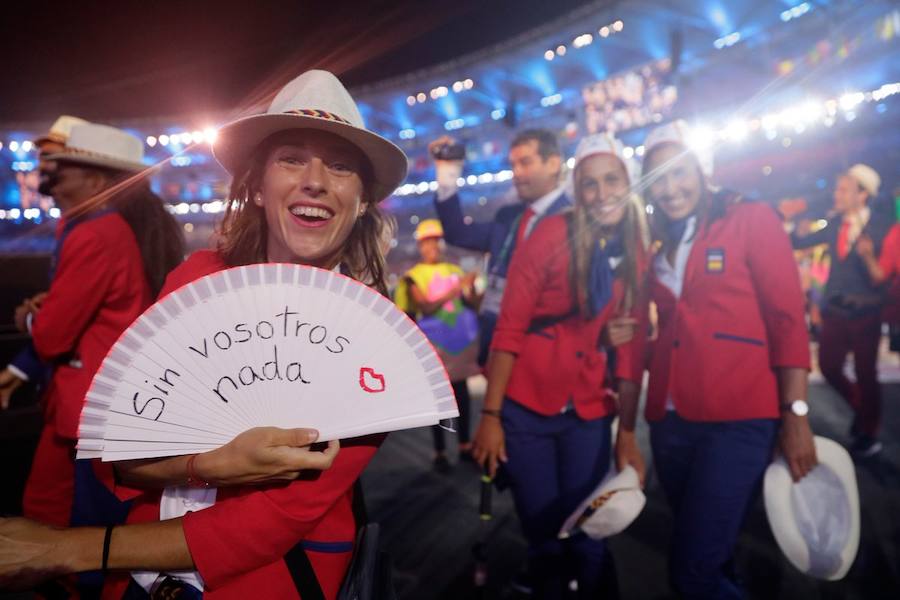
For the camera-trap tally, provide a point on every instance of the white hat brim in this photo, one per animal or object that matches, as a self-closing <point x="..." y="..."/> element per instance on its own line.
<point x="777" y="498"/>
<point x="238" y="140"/>
<point x="98" y="161"/>
<point x="627" y="483"/>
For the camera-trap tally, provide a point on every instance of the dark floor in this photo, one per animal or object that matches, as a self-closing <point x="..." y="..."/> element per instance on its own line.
<point x="430" y="523"/>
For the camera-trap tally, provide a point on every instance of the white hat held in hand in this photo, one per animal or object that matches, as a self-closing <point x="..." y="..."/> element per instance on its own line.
<point x="610" y="508"/>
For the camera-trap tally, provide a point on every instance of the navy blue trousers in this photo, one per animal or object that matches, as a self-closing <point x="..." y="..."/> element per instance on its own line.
<point x="711" y="473"/>
<point x="554" y="464"/>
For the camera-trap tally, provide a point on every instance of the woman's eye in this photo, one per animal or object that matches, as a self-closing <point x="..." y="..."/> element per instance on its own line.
<point x="340" y="167"/>
<point x="290" y="159"/>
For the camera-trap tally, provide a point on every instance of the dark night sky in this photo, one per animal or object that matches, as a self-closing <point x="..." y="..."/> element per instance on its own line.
<point x="121" y="60"/>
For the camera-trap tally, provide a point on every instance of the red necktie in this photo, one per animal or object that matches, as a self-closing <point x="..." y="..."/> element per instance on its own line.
<point x="843" y="241"/>
<point x="523" y="224"/>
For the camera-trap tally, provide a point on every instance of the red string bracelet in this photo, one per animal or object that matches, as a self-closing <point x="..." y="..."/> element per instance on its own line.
<point x="193" y="479"/>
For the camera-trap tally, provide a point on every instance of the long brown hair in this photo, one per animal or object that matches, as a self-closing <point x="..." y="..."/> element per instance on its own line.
<point x="584" y="232"/>
<point x="244" y="231"/>
<point x="158" y="235"/>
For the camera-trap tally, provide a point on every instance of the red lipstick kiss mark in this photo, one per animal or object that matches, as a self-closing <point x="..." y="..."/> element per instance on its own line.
<point x="371" y="381"/>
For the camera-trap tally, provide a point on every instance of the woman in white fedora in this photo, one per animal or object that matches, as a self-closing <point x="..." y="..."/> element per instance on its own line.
<point x="307" y="181"/>
<point x="547" y="413"/>
<point x="728" y="370"/>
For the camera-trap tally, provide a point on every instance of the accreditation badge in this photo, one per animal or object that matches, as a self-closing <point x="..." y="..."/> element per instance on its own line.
<point x="493" y="295"/>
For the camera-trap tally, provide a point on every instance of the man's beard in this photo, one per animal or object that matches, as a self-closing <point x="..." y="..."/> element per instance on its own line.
<point x="48" y="180"/>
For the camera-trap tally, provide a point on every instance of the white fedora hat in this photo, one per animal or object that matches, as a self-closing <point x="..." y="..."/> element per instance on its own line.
<point x="816" y="520"/>
<point x="605" y="143"/>
<point x="679" y="132"/>
<point x="102" y="146"/>
<point x="867" y="177"/>
<point x="60" y="130"/>
<point x="610" y="508"/>
<point x="314" y="100"/>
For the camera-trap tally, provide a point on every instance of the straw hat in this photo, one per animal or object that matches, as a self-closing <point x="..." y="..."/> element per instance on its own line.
<point x="610" y="508"/>
<point x="314" y="100"/>
<point x="102" y="146"/>
<point x="867" y="177"/>
<point x="60" y="130"/>
<point x="605" y="143"/>
<point x="816" y="520"/>
<point x="679" y="132"/>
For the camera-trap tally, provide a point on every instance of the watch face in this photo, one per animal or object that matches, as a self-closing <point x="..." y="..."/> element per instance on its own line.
<point x="799" y="408"/>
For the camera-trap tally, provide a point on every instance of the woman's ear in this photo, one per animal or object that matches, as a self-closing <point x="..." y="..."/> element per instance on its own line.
<point x="258" y="199"/>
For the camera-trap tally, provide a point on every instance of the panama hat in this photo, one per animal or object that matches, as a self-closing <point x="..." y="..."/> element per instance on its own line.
<point x="679" y="132"/>
<point x="867" y="177"/>
<point x="60" y="130"/>
<point x="429" y="228"/>
<point x="314" y="100"/>
<point x="605" y="143"/>
<point x="97" y="145"/>
<point x="610" y="508"/>
<point x="816" y="520"/>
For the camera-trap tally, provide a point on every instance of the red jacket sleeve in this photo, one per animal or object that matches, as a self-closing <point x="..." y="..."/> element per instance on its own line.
<point x="889" y="260"/>
<point x="777" y="284"/>
<point x="525" y="279"/>
<point x="78" y="289"/>
<point x="246" y="532"/>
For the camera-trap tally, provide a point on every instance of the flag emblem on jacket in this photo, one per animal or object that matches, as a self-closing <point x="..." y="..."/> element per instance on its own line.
<point x="715" y="260"/>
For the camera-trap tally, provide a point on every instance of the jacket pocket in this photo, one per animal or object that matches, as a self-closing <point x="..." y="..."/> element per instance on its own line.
<point x="737" y="338"/>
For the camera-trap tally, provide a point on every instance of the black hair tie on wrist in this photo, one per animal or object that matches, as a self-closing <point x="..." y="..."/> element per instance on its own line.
<point x="107" y="537"/>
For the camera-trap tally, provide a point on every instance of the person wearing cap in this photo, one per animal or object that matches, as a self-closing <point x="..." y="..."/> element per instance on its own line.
<point x="308" y="178"/>
<point x="852" y="304"/>
<point x="112" y="247"/>
<point x="26" y="365"/>
<point x="728" y="368"/>
<point x="438" y="295"/>
<point x="536" y="163"/>
<point x="547" y="413"/>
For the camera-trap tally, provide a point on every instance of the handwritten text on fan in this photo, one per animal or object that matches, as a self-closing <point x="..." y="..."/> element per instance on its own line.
<point x="284" y="326"/>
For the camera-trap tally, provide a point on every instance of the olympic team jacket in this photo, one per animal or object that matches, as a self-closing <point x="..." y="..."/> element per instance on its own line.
<point x="98" y="289"/>
<point x="563" y="362"/>
<point x="739" y="317"/>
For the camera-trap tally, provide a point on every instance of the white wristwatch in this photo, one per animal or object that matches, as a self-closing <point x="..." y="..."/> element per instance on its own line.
<point x="799" y="407"/>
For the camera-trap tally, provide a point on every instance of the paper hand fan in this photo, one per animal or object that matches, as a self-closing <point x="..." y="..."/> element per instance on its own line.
<point x="271" y="344"/>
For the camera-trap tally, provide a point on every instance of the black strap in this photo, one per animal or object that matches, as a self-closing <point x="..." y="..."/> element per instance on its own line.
<point x="302" y="573"/>
<point x="297" y="561"/>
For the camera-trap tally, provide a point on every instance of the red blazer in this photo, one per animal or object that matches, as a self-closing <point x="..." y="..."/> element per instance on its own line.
<point x="563" y="361"/>
<point x="740" y="315"/>
<point x="98" y="289"/>
<point x="239" y="543"/>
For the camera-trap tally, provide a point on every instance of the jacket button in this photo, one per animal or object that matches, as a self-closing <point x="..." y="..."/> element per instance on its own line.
<point x="676" y="343"/>
<point x="579" y="354"/>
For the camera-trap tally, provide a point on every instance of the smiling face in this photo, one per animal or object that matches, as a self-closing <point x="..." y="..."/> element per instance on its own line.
<point x="677" y="185"/>
<point x="312" y="194"/>
<point x="601" y="183"/>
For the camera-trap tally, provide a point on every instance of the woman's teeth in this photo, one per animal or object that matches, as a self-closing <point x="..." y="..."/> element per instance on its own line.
<point x="311" y="212"/>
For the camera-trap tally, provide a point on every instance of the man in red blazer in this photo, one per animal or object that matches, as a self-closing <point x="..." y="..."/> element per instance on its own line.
<point x="98" y="289"/>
